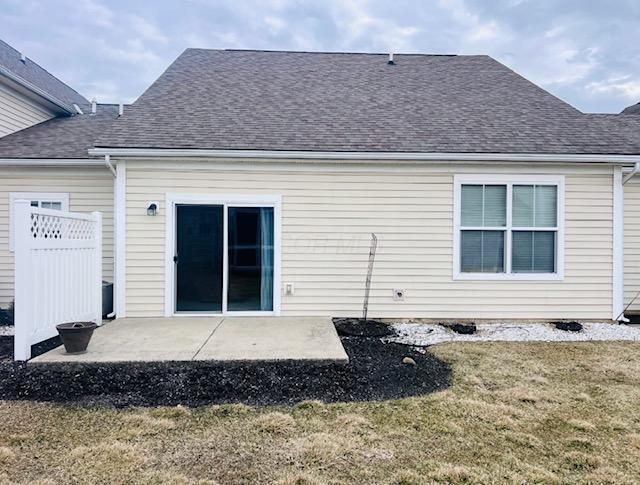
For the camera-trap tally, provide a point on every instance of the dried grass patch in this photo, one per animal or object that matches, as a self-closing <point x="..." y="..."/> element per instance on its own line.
<point x="516" y="413"/>
<point x="276" y="422"/>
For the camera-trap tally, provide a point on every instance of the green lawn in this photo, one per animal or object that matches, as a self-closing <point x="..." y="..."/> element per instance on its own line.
<point x="516" y="413"/>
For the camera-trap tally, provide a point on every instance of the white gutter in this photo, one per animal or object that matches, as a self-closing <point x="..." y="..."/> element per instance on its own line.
<point x="50" y="162"/>
<point x="634" y="170"/>
<point x="36" y="90"/>
<point x="362" y="156"/>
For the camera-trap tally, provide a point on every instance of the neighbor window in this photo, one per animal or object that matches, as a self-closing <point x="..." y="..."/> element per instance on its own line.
<point x="508" y="227"/>
<point x="56" y="201"/>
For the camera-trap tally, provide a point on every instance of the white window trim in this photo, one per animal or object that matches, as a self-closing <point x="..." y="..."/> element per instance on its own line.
<point x="62" y="197"/>
<point x="509" y="180"/>
<point x="173" y="199"/>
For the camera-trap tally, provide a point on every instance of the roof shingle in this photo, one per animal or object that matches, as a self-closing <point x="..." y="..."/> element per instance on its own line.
<point x="266" y="100"/>
<point x="39" y="77"/>
<point x="62" y="137"/>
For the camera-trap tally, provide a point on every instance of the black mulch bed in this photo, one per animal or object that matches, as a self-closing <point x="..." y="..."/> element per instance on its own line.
<point x="375" y="372"/>
<point x="357" y="327"/>
<point x="461" y="328"/>
<point x="568" y="326"/>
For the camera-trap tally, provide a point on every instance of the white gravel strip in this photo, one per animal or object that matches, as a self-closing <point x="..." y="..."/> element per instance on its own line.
<point x="424" y="334"/>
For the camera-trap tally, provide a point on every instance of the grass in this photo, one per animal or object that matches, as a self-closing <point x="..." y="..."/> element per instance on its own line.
<point x="516" y="413"/>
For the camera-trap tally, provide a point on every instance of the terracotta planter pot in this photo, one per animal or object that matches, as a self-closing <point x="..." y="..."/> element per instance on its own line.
<point x="75" y="336"/>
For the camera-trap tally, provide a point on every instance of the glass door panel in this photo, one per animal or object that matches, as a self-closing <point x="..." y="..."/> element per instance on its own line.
<point x="250" y="259"/>
<point x="199" y="258"/>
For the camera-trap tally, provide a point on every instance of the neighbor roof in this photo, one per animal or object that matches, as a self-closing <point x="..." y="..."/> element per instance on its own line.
<point x="631" y="110"/>
<point x="266" y="100"/>
<point x="59" y="138"/>
<point x="31" y="75"/>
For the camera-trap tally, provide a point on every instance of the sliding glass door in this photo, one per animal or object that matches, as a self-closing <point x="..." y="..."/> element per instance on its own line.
<point x="208" y="280"/>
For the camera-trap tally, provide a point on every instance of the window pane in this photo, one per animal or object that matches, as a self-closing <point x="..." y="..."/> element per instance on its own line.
<point x="34" y="203"/>
<point x="471" y="205"/>
<point x="482" y="251"/>
<point x="50" y="205"/>
<point x="546" y="203"/>
<point x="471" y="251"/>
<point x="534" y="206"/>
<point x="533" y="251"/>
<point x="522" y="206"/>
<point x="484" y="206"/>
<point x="495" y="205"/>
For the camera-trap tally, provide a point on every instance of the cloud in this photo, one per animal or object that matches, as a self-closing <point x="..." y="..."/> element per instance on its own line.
<point x="584" y="52"/>
<point x="623" y="87"/>
<point x="147" y="30"/>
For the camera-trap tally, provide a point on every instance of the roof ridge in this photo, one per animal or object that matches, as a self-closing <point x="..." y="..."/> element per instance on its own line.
<point x="278" y="51"/>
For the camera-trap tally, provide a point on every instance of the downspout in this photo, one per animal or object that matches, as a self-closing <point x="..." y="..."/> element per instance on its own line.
<point x="635" y="170"/>
<point x="107" y="161"/>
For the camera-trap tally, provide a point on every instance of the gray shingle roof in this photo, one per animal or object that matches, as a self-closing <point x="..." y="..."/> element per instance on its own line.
<point x="35" y="75"/>
<point x="264" y="100"/>
<point x="631" y="110"/>
<point x="61" y="137"/>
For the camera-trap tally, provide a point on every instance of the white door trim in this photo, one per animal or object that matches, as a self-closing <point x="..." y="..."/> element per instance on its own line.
<point x="172" y="199"/>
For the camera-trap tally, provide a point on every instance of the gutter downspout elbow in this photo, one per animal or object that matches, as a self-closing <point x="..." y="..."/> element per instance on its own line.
<point x="107" y="161"/>
<point x="635" y="170"/>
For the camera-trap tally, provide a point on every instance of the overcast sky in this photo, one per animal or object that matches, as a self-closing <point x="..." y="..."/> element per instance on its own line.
<point x="587" y="52"/>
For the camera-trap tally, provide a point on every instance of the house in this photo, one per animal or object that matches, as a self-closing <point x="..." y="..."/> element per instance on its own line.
<point x="46" y="129"/>
<point x="249" y="182"/>
<point x="30" y="95"/>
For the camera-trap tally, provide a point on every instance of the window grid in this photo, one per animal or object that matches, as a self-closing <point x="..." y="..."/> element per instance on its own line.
<point x="509" y="229"/>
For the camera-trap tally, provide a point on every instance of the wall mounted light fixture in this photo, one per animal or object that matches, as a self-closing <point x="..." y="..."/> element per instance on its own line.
<point x="152" y="208"/>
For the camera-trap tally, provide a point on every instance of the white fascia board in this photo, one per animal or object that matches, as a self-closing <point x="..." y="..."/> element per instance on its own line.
<point x="17" y="80"/>
<point x="51" y="162"/>
<point x="367" y="157"/>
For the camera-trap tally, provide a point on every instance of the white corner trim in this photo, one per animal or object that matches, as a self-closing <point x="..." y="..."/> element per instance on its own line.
<point x="120" y="213"/>
<point x="618" y="245"/>
<point x="509" y="180"/>
<point x="62" y="197"/>
<point x="367" y="157"/>
<point x="231" y="200"/>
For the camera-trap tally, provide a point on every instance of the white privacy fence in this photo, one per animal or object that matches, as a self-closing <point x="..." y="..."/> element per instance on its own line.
<point x="58" y="272"/>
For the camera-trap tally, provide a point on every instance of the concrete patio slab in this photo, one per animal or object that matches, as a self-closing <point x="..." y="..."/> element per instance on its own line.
<point x="274" y="338"/>
<point x="209" y="338"/>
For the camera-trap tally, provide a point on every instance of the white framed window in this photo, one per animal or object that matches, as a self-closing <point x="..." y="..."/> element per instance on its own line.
<point x="508" y="227"/>
<point x="44" y="200"/>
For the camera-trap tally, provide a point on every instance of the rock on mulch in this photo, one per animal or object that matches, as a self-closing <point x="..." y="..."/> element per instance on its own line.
<point x="375" y="372"/>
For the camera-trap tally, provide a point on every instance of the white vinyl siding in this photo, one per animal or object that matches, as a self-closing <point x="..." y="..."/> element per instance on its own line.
<point x="632" y="243"/>
<point x="89" y="189"/>
<point x="18" y="112"/>
<point x="329" y="213"/>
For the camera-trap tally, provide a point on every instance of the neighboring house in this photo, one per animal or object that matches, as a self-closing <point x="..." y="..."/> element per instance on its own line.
<point x="30" y="95"/>
<point x="44" y="142"/>
<point x="631" y="110"/>
<point x="250" y="182"/>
